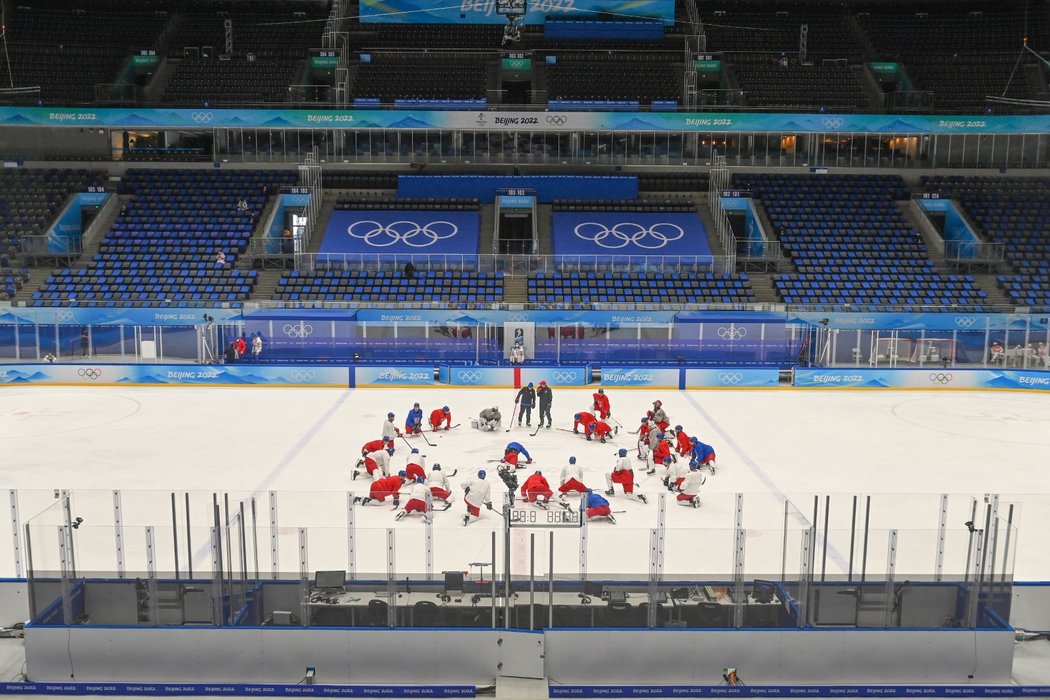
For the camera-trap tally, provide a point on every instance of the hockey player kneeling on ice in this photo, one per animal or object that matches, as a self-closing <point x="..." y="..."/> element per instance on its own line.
<point x="598" y="507"/>
<point x="415" y="465"/>
<point x="676" y="473"/>
<point x="600" y="430"/>
<point x="571" y="479"/>
<point x="683" y="444"/>
<point x="417" y="501"/>
<point x="513" y="453"/>
<point x="704" y="454"/>
<point x="660" y="454"/>
<point x="690" y="487"/>
<point x="585" y="419"/>
<point x="660" y="415"/>
<point x="535" y="488"/>
<point x="381" y="488"/>
<point x="373" y="461"/>
<point x="476" y="493"/>
<point x="601" y="404"/>
<point x="414" y="420"/>
<point x="439" y="416"/>
<point x="373" y="445"/>
<point x="490" y="419"/>
<point x="622" y="474"/>
<point x="389" y="431"/>
<point x="439" y="486"/>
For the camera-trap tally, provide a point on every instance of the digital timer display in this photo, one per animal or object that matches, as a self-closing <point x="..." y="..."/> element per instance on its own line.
<point x="534" y="517"/>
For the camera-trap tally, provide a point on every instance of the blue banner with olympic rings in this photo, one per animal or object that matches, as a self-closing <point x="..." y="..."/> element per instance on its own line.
<point x="402" y="232"/>
<point x="628" y="233"/>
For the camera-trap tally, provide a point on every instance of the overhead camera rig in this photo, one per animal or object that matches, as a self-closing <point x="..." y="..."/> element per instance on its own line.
<point x="513" y="10"/>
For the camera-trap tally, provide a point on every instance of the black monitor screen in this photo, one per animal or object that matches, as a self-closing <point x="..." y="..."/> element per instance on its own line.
<point x="330" y="579"/>
<point x="592" y="588"/>
<point x="453" y="580"/>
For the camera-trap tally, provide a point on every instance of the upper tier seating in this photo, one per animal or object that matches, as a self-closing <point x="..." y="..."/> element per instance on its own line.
<point x="808" y="88"/>
<point x="364" y="37"/>
<point x="441" y="286"/>
<point x="421" y="76"/>
<point x="761" y="31"/>
<point x="581" y="289"/>
<point x="1016" y="213"/>
<point x="31" y="199"/>
<point x="66" y="49"/>
<point x="162" y="248"/>
<point x="851" y="245"/>
<point x="270" y="44"/>
<point x="648" y="204"/>
<point x="633" y="77"/>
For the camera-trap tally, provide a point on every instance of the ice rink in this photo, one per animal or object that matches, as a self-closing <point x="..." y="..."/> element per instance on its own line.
<point x="903" y="448"/>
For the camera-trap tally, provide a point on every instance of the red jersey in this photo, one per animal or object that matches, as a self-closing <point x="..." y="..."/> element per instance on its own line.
<point x="684" y="446"/>
<point x="663" y="449"/>
<point x="601" y="403"/>
<point x="437" y="416"/>
<point x="536" y="482"/>
<point x="602" y="429"/>
<point x="373" y="446"/>
<point x="584" y="419"/>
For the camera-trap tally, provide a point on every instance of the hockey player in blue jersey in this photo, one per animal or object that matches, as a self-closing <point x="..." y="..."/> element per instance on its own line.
<point x="703" y="454"/>
<point x="518" y="448"/>
<point x="414" y="420"/>
<point x="598" y="507"/>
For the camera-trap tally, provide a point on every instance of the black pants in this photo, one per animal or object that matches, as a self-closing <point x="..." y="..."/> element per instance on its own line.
<point x="545" y="413"/>
<point x="525" y="410"/>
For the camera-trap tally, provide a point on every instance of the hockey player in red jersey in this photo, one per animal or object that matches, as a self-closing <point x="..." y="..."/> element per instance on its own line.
<point x="535" y="488"/>
<point x="601" y="404"/>
<point x="661" y="452"/>
<point x="582" y="418"/>
<point x="373" y="445"/>
<point x="417" y="501"/>
<point x="439" y="416"/>
<point x="683" y="446"/>
<point x="381" y="488"/>
<point x="600" y="430"/>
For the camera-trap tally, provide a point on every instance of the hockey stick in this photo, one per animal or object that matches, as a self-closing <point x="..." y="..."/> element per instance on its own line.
<point x="538" y="426"/>
<point x="406" y="441"/>
<point x="512" y="417"/>
<point x="617" y="422"/>
<point x="422" y="434"/>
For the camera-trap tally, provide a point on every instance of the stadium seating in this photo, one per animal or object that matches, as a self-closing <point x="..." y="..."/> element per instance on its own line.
<point x="851" y="245"/>
<point x="582" y="289"/>
<point x="407" y="203"/>
<point x="808" y="88"/>
<point x="458" y="287"/>
<point x="31" y="199"/>
<point x="649" y="204"/>
<point x="162" y="248"/>
<point x="421" y="76"/>
<point x="1014" y="212"/>
<point x="640" y="77"/>
<point x="67" y="48"/>
<point x="763" y="30"/>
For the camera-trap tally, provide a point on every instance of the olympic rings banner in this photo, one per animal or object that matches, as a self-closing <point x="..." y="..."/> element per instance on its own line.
<point x="928" y="378"/>
<point x="408" y="232"/>
<point x="223" y="375"/>
<point x="628" y="233"/>
<point x="732" y="378"/>
<point x="514" y="376"/>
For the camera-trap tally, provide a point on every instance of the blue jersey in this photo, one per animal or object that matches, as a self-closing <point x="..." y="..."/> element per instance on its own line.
<point x="701" y="451"/>
<point x="595" y="501"/>
<point x="519" y="448"/>
<point x="415" y="417"/>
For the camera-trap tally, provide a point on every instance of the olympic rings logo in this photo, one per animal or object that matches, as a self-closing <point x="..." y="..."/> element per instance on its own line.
<point x="940" y="378"/>
<point x="627" y="232"/>
<point x="63" y="316"/>
<point x="833" y="122"/>
<point x="302" y="330"/>
<point x="965" y="321"/>
<point x="411" y="233"/>
<point x="468" y="376"/>
<point x="517" y="317"/>
<point x="569" y="376"/>
<point x="730" y="377"/>
<point x="202" y="117"/>
<point x="731" y="333"/>
<point x="303" y="375"/>
<point x="557" y="119"/>
<point x="91" y="373"/>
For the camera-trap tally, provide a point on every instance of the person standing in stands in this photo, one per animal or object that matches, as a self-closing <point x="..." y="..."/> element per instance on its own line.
<point x="410" y="270"/>
<point x="220" y="258"/>
<point x="256" y="346"/>
<point x="241" y="346"/>
<point x="85" y="342"/>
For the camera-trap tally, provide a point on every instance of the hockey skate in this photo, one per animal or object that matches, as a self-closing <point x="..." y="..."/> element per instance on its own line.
<point x="466" y="520"/>
<point x="400" y="515"/>
<point x="611" y="519"/>
<point x="447" y="506"/>
<point x="695" y="501"/>
<point x="642" y="498"/>
<point x="610" y="492"/>
<point x="357" y="500"/>
<point x="366" y="500"/>
<point x="540" y="504"/>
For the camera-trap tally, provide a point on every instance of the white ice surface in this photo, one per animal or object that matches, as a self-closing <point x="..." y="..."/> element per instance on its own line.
<point x="901" y="448"/>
